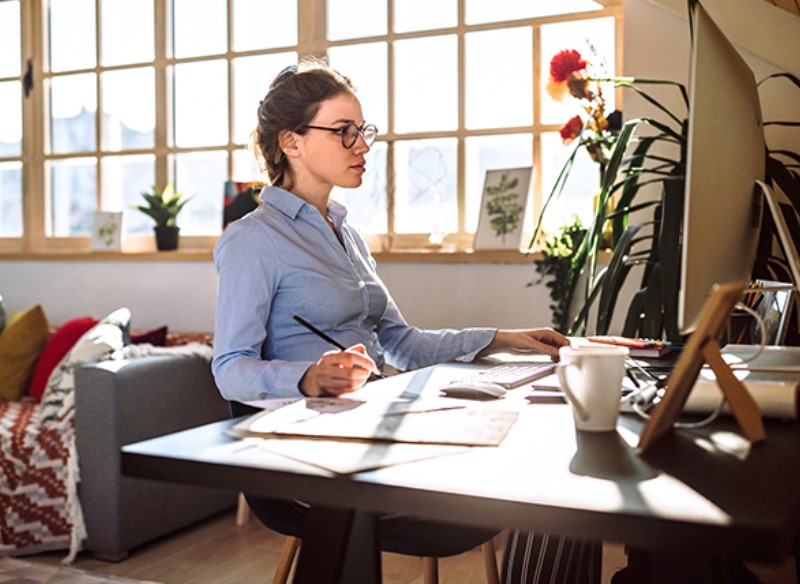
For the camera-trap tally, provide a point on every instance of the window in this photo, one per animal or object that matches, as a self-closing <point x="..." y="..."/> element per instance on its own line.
<point x="455" y="87"/>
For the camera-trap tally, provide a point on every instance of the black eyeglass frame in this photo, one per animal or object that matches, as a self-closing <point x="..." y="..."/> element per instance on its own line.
<point x="342" y="131"/>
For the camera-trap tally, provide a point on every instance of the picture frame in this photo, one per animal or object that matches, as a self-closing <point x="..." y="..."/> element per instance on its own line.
<point x="107" y="231"/>
<point x="504" y="213"/>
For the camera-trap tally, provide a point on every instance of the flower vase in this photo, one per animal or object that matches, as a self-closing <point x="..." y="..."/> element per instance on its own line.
<point x="167" y="237"/>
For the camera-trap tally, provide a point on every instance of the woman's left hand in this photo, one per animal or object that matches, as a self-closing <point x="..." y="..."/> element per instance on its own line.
<point x="544" y="340"/>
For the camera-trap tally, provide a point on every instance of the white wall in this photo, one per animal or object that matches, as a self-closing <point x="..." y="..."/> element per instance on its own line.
<point x="182" y="294"/>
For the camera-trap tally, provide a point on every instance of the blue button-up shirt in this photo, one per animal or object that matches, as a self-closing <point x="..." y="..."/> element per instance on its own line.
<point x="283" y="259"/>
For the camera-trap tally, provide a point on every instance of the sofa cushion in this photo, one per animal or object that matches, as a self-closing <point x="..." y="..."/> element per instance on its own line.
<point x="21" y="342"/>
<point x="58" y="345"/>
<point x="98" y="343"/>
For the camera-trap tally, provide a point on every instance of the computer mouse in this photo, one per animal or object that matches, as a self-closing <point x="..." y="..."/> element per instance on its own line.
<point x="474" y="389"/>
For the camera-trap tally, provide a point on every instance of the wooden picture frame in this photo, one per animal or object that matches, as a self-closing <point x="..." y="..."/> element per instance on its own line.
<point x="703" y="347"/>
<point x="504" y="209"/>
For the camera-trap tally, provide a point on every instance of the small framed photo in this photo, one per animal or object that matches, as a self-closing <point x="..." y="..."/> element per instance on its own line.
<point x="107" y="231"/>
<point x="504" y="215"/>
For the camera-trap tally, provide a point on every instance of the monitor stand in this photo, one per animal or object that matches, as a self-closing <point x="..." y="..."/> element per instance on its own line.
<point x="703" y="347"/>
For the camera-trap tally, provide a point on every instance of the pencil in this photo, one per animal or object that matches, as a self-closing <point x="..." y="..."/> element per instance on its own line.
<point x="331" y="341"/>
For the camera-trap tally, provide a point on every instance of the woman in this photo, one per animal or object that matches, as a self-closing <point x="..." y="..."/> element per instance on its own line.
<point x="296" y="255"/>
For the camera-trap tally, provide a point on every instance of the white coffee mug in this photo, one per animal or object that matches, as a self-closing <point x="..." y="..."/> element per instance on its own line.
<point x="591" y="377"/>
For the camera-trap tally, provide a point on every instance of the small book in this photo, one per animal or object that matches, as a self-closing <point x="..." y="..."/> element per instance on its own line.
<point x="637" y="348"/>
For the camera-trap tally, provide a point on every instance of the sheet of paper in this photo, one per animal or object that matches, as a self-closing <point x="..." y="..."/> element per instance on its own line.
<point x="347" y="457"/>
<point x="429" y="421"/>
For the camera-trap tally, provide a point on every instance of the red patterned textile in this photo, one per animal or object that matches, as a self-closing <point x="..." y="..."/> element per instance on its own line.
<point x="34" y="515"/>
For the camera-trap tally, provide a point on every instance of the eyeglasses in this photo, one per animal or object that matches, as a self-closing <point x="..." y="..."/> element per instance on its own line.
<point x="351" y="132"/>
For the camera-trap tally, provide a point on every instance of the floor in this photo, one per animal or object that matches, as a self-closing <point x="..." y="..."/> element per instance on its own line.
<point x="218" y="551"/>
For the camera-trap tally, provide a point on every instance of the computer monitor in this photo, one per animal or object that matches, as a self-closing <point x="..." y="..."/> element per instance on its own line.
<point x="725" y="158"/>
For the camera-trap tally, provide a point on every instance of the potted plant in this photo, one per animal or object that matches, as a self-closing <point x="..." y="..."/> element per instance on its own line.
<point x="163" y="207"/>
<point x="553" y="266"/>
<point x="654" y="242"/>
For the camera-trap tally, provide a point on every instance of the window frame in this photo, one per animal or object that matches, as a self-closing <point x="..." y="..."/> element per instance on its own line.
<point x="311" y="40"/>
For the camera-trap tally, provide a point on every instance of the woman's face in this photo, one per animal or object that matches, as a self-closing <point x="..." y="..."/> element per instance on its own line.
<point x="322" y="159"/>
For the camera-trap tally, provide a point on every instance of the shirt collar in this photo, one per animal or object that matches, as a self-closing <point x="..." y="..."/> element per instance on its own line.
<point x="290" y="204"/>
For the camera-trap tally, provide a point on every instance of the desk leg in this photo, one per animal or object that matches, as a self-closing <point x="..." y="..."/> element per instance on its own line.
<point x="339" y="546"/>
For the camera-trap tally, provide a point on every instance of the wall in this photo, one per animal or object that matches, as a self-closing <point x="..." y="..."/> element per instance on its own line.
<point x="182" y="295"/>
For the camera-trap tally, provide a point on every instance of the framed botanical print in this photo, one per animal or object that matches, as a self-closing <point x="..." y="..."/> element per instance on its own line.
<point x="503" y="218"/>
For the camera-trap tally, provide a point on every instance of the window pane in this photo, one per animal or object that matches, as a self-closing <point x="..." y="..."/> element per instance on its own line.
<point x="425" y="191"/>
<point x="583" y="184"/>
<point x="594" y="40"/>
<point x="491" y="153"/>
<point x="199" y="27"/>
<point x="410" y="15"/>
<point x="425" y="97"/>
<point x="245" y="167"/>
<point x="9" y="39"/>
<point x="201" y="104"/>
<point x="119" y="47"/>
<point x="354" y="19"/>
<point x="124" y="179"/>
<point x="366" y="65"/>
<point x="499" y="78"/>
<point x="264" y="24"/>
<point x="11" y="128"/>
<point x="202" y="176"/>
<point x="10" y="199"/>
<point x="72" y="35"/>
<point x="366" y="205"/>
<point x="74" y="196"/>
<point x="72" y="113"/>
<point x="478" y="11"/>
<point x="251" y="79"/>
<point x="129" y="116"/>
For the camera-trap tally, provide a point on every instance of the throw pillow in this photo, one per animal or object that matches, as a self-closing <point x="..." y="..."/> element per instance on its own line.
<point x="59" y="343"/>
<point x="100" y="342"/>
<point x="20" y="344"/>
<point x="156" y="337"/>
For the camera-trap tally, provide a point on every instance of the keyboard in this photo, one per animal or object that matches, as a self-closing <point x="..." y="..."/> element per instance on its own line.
<point x="511" y="375"/>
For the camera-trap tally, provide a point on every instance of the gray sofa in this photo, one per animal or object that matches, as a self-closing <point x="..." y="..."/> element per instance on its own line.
<point x="120" y="402"/>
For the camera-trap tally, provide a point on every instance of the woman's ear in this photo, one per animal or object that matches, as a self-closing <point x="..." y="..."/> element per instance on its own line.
<point x="287" y="140"/>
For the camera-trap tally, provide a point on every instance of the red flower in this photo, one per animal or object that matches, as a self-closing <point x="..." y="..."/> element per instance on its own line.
<point x="571" y="129"/>
<point x="565" y="63"/>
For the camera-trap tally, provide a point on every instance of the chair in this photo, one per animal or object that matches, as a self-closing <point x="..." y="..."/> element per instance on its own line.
<point x="430" y="565"/>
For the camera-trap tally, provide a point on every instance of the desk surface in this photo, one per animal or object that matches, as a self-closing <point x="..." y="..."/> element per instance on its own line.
<point x="695" y="490"/>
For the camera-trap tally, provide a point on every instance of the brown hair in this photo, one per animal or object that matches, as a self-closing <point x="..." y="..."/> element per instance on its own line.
<point x="293" y="99"/>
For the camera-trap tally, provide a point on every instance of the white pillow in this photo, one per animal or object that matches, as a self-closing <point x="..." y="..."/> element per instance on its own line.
<point x="99" y="343"/>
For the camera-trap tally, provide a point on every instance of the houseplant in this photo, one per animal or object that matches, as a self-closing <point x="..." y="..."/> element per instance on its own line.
<point x="163" y="207"/>
<point x="654" y="242"/>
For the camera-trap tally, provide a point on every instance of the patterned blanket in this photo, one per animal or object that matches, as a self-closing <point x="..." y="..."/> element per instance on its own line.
<point x="34" y="482"/>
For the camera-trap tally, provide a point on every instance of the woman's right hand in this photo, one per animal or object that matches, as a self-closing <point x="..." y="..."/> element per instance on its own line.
<point x="338" y="372"/>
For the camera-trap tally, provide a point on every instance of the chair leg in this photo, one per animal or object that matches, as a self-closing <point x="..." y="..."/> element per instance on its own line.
<point x="288" y="555"/>
<point x="490" y="562"/>
<point x="430" y="570"/>
<point x="242" y="511"/>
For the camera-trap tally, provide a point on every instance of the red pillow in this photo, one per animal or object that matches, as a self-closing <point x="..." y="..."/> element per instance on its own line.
<point x="58" y="345"/>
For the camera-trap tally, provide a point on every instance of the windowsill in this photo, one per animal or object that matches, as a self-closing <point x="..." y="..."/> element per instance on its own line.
<point x="409" y="256"/>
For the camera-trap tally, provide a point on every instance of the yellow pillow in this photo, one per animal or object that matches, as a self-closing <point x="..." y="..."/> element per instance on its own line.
<point x="20" y="344"/>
